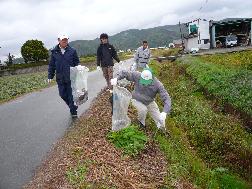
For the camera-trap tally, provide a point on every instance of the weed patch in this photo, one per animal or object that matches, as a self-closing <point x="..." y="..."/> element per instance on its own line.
<point x="129" y="139"/>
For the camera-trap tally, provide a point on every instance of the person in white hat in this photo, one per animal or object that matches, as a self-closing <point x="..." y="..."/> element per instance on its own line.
<point x="62" y="58"/>
<point x="146" y="88"/>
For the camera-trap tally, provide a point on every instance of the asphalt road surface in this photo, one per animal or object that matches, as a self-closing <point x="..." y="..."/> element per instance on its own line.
<point x="30" y="125"/>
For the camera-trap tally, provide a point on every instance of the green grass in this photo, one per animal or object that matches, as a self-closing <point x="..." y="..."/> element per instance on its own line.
<point x="129" y="139"/>
<point x="16" y="85"/>
<point x="76" y="176"/>
<point x="27" y="65"/>
<point x="92" y="58"/>
<point x="165" y="52"/>
<point x="87" y="59"/>
<point x="231" y="85"/>
<point x="231" y="60"/>
<point x="202" y="141"/>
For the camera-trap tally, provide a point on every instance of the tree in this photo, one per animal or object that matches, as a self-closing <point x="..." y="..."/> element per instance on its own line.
<point x="33" y="51"/>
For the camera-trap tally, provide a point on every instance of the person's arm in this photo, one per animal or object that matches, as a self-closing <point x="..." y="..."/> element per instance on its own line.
<point x="76" y="59"/>
<point x="136" y="56"/>
<point x="51" y="67"/>
<point x="114" y="54"/>
<point x="98" y="57"/>
<point x="165" y="98"/>
<point x="149" y="54"/>
<point x="130" y="76"/>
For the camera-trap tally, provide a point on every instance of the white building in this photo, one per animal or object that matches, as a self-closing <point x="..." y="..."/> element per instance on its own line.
<point x="198" y="35"/>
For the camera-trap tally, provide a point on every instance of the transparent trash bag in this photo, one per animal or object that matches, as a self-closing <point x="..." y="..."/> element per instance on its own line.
<point x="126" y="66"/>
<point x="78" y="76"/>
<point x="121" y="100"/>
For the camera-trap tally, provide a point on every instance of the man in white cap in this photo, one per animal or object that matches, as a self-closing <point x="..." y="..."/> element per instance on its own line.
<point x="146" y="88"/>
<point x="62" y="58"/>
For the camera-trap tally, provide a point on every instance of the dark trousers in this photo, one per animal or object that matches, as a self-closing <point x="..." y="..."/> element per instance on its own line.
<point x="65" y="92"/>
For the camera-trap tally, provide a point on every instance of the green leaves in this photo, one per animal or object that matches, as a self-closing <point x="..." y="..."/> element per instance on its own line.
<point x="130" y="139"/>
<point x="34" y="50"/>
<point x="12" y="86"/>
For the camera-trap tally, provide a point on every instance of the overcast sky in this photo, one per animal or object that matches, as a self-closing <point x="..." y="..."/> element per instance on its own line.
<point x="86" y="19"/>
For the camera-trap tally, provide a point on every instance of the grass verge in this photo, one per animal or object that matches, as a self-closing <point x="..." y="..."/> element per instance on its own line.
<point x="202" y="141"/>
<point x="230" y="85"/>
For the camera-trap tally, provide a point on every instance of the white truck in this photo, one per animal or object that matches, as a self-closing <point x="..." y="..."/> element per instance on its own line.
<point x="231" y="41"/>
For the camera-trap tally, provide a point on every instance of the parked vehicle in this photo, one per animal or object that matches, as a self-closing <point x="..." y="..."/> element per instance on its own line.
<point x="231" y="41"/>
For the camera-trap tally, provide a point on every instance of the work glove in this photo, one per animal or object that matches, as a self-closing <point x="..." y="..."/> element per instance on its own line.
<point x="98" y="68"/>
<point x="113" y="81"/>
<point x="49" y="80"/>
<point x="162" y="118"/>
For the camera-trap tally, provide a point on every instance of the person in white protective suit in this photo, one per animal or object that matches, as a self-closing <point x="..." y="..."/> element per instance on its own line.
<point x="143" y="96"/>
<point x="141" y="57"/>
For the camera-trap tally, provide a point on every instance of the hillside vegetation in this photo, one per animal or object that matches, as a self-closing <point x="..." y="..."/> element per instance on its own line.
<point x="131" y="39"/>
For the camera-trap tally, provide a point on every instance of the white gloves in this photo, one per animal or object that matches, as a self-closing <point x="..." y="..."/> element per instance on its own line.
<point x="113" y="81"/>
<point x="49" y="80"/>
<point x="98" y="68"/>
<point x="162" y="118"/>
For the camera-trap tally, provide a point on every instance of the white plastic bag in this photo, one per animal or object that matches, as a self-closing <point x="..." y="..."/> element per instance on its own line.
<point x="123" y="65"/>
<point x="78" y="76"/>
<point x="121" y="100"/>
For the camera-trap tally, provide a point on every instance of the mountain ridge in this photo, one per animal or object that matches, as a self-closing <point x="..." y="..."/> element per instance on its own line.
<point x="131" y="39"/>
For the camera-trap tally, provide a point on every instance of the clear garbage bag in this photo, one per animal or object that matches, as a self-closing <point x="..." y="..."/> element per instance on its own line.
<point x="121" y="100"/>
<point x="78" y="76"/>
<point x="126" y="66"/>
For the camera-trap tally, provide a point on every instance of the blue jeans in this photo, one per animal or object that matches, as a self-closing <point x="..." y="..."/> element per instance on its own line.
<point x="65" y="92"/>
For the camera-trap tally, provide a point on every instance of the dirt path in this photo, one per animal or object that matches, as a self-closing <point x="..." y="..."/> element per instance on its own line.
<point x="85" y="144"/>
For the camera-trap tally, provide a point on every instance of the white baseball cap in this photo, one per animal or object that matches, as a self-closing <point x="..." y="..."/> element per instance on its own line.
<point x="146" y="77"/>
<point x="64" y="36"/>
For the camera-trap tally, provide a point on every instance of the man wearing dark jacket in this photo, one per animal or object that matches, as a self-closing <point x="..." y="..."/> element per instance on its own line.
<point x="105" y="55"/>
<point x="62" y="58"/>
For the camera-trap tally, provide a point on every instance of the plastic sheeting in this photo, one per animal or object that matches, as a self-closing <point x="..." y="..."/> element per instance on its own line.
<point x="78" y="76"/>
<point x="121" y="100"/>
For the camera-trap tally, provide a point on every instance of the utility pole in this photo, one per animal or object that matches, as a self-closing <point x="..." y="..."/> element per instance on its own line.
<point x="181" y="35"/>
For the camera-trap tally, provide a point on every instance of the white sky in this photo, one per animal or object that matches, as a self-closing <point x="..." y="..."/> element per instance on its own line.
<point x="86" y="19"/>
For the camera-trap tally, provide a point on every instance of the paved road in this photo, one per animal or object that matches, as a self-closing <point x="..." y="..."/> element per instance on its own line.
<point x="30" y="125"/>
